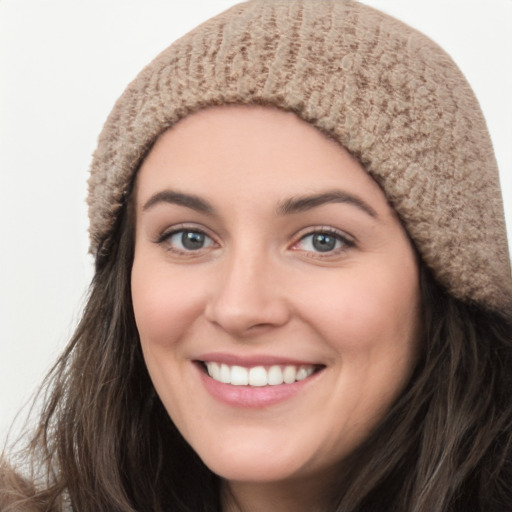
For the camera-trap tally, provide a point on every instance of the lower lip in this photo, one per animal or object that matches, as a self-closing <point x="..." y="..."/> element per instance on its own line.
<point x="251" y="396"/>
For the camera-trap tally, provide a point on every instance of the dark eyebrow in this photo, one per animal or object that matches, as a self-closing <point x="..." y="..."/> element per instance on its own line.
<point x="289" y="206"/>
<point x="303" y="203"/>
<point x="181" y="199"/>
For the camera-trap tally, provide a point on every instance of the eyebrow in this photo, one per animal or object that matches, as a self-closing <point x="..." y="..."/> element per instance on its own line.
<point x="181" y="199"/>
<point x="304" y="203"/>
<point x="287" y="207"/>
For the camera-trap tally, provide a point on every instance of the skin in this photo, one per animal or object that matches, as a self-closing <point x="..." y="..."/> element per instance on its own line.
<point x="259" y="286"/>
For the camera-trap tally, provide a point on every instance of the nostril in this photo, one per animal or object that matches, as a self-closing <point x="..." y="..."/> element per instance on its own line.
<point x="260" y="326"/>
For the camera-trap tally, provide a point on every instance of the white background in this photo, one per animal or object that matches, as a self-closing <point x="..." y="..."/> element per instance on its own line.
<point x="62" y="65"/>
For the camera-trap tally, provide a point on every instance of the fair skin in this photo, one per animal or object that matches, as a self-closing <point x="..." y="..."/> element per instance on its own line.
<point x="262" y="244"/>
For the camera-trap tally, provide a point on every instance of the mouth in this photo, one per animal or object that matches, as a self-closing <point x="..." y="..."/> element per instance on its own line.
<point x="258" y="375"/>
<point x="255" y="382"/>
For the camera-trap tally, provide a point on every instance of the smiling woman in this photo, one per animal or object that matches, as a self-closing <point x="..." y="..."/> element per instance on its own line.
<point x="220" y="317"/>
<point x="302" y="296"/>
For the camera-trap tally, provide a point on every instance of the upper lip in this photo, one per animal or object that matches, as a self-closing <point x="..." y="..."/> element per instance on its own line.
<point x="253" y="360"/>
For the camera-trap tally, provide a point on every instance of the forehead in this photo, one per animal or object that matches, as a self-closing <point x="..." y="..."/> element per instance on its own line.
<point x="243" y="151"/>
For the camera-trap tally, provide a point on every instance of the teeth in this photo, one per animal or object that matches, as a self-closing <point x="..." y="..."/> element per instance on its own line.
<point x="214" y="371"/>
<point x="258" y="376"/>
<point x="275" y="376"/>
<point x="301" y="374"/>
<point x="289" y="374"/>
<point x="225" y="374"/>
<point x="239" y="376"/>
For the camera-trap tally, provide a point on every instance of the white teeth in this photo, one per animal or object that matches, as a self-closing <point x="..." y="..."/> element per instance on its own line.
<point x="224" y="374"/>
<point x="258" y="376"/>
<point x="239" y="376"/>
<point x="289" y="374"/>
<point x="214" y="370"/>
<point x="301" y="374"/>
<point x="275" y="375"/>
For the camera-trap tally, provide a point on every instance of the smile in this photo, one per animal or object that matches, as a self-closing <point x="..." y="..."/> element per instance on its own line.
<point x="255" y="381"/>
<point x="258" y="376"/>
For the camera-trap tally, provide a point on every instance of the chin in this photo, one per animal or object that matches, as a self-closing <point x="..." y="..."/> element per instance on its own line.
<point x="252" y="463"/>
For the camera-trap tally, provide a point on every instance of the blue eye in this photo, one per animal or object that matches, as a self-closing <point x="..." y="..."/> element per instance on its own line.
<point x="323" y="242"/>
<point x="186" y="240"/>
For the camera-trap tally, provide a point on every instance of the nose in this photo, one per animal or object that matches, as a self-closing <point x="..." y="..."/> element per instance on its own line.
<point x="249" y="296"/>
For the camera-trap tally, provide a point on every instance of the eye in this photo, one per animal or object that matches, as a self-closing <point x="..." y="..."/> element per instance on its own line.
<point x="187" y="240"/>
<point x="325" y="242"/>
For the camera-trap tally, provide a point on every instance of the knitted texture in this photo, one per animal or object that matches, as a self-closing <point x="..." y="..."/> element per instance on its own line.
<point x="384" y="91"/>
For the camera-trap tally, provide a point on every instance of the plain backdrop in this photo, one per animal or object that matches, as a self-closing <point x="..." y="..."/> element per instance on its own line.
<point x="62" y="65"/>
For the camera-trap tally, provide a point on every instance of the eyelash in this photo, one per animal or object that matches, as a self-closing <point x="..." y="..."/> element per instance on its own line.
<point x="166" y="237"/>
<point x="342" y="241"/>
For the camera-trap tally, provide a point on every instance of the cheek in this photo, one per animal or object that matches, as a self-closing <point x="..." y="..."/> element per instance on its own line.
<point x="367" y="315"/>
<point x="165" y="304"/>
<point x="372" y="328"/>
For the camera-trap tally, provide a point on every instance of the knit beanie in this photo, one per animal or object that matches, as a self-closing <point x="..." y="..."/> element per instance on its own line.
<point x="384" y="91"/>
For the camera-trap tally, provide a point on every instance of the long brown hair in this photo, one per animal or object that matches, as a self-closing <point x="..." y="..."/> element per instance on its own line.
<point x="104" y="442"/>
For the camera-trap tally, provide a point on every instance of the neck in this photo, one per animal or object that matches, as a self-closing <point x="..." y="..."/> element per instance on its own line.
<point x="303" y="496"/>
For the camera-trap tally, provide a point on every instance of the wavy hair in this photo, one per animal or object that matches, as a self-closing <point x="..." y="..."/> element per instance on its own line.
<point x="104" y="442"/>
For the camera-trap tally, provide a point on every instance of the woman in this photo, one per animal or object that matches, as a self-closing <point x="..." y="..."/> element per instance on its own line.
<point x="302" y="297"/>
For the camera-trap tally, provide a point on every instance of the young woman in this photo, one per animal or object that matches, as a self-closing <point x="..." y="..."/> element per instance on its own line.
<point x="302" y="297"/>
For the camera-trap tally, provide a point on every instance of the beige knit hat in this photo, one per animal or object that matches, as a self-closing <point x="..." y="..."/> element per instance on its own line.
<point x="386" y="92"/>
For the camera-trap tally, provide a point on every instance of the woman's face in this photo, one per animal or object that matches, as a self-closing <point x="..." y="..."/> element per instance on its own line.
<point x="264" y="252"/>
